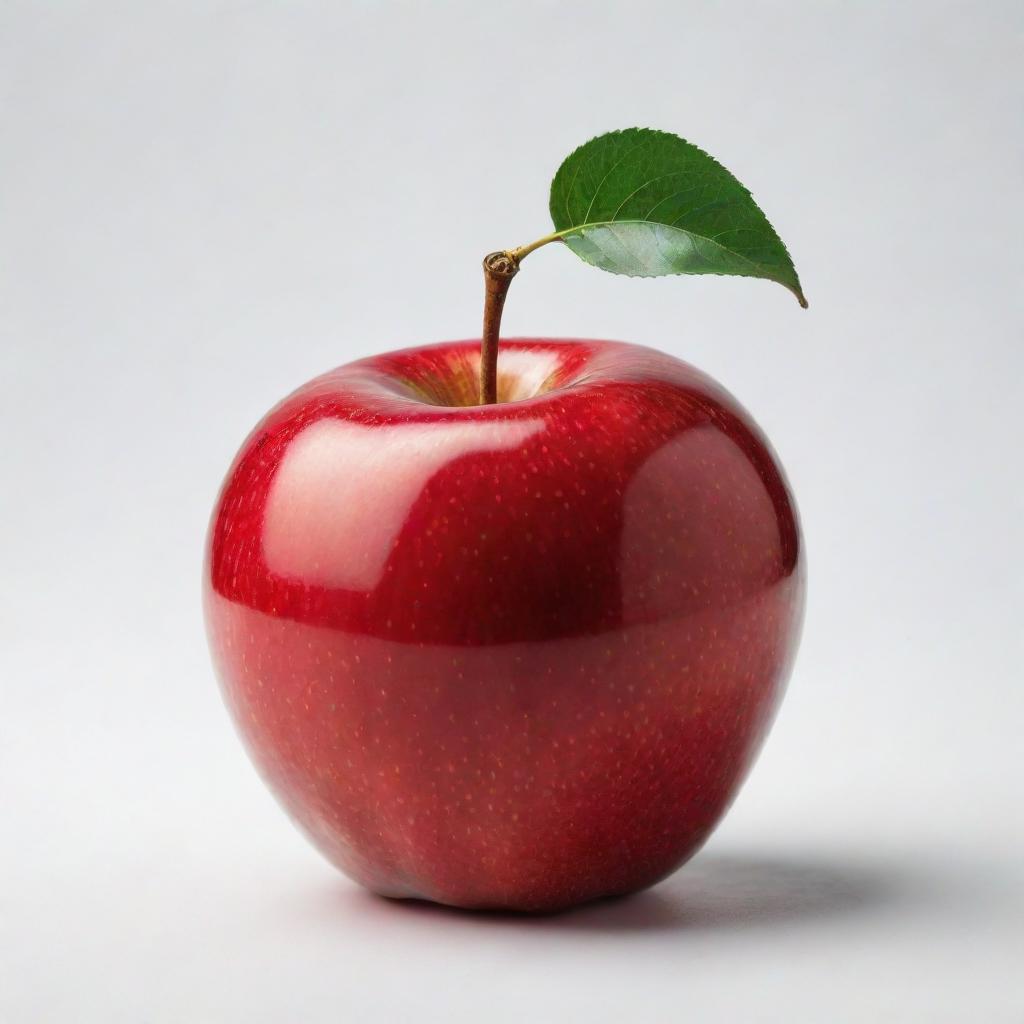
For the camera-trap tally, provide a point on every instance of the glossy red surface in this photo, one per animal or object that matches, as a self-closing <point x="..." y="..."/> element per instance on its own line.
<point x="518" y="655"/>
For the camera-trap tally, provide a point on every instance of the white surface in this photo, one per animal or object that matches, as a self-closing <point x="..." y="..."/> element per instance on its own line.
<point x="198" y="206"/>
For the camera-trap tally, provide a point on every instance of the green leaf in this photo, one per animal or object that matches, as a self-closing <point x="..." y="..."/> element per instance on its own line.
<point x="647" y="203"/>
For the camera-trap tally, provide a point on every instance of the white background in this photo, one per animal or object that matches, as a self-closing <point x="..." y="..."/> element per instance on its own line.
<point x="204" y="204"/>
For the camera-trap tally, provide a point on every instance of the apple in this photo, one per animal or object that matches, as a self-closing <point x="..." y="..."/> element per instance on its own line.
<point x="506" y="627"/>
<point x="515" y="655"/>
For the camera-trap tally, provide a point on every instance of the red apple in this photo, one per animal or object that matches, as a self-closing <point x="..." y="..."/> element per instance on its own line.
<point x="517" y="655"/>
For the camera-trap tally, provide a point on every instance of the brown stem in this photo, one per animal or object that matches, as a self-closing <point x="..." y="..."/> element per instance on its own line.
<point x="499" y="269"/>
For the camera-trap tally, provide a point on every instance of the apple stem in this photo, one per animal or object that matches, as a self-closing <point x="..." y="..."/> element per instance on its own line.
<point x="499" y="269"/>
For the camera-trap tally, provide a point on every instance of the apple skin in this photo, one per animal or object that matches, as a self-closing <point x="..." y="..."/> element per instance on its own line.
<point x="511" y="656"/>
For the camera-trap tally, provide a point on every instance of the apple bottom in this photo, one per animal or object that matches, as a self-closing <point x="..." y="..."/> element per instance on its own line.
<point x="526" y="776"/>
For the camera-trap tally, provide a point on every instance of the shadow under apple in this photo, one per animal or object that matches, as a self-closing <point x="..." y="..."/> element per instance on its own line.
<point x="715" y="891"/>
